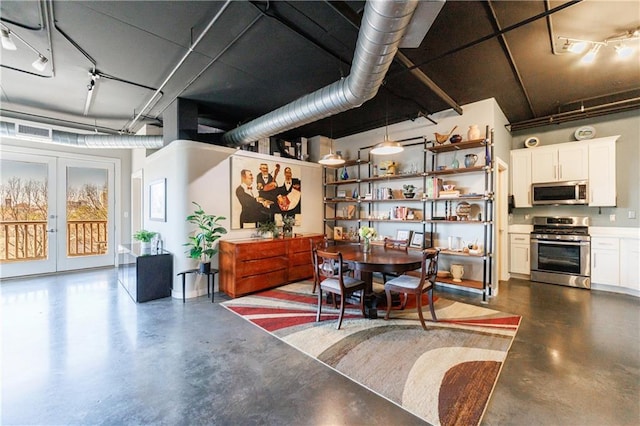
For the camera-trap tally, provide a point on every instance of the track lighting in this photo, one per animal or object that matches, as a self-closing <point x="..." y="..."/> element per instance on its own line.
<point x="7" y="42"/>
<point x="40" y="63"/>
<point x="618" y="42"/>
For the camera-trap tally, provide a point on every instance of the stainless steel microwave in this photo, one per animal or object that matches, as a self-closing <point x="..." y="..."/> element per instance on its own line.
<point x="570" y="192"/>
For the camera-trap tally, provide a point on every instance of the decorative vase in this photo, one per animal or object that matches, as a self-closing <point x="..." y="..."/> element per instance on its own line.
<point x="205" y="268"/>
<point x="457" y="271"/>
<point x="470" y="160"/>
<point x="366" y="247"/>
<point x="344" y="175"/>
<point x="145" y="247"/>
<point x="287" y="231"/>
<point x="455" y="163"/>
<point x="409" y="194"/>
<point x="473" y="133"/>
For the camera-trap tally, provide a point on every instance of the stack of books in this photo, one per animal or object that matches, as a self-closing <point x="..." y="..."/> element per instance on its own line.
<point x="449" y="194"/>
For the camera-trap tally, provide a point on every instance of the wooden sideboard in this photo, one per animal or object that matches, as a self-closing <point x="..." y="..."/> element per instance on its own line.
<point x="247" y="266"/>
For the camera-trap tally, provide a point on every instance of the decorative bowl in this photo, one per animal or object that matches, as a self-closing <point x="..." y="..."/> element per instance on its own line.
<point x="448" y="187"/>
<point x="443" y="274"/>
<point x="455" y="139"/>
<point x="409" y="194"/>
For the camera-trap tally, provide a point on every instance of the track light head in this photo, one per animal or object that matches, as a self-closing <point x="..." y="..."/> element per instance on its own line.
<point x="40" y="63"/>
<point x="7" y="42"/>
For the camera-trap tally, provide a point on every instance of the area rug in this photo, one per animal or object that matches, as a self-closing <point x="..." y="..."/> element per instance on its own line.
<point x="444" y="375"/>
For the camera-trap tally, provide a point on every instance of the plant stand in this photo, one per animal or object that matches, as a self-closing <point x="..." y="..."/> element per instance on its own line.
<point x="211" y="280"/>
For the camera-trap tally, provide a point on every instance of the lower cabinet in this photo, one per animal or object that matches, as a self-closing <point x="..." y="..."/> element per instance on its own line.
<point x="251" y="265"/>
<point x="145" y="276"/>
<point x="519" y="254"/>
<point x="605" y="263"/>
<point x="630" y="264"/>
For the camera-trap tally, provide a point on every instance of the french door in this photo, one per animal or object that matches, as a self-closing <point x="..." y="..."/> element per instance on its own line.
<point x="56" y="214"/>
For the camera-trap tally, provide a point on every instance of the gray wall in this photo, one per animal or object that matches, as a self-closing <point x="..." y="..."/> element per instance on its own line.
<point x="627" y="125"/>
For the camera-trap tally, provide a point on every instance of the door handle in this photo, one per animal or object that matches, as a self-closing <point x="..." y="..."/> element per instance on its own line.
<point x="51" y="230"/>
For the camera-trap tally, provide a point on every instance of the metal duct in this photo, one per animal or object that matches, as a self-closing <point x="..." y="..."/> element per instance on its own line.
<point x="383" y="25"/>
<point x="88" y="140"/>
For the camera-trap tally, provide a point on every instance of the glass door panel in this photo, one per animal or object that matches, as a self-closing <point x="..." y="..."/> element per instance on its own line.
<point x="27" y="214"/>
<point x="86" y="214"/>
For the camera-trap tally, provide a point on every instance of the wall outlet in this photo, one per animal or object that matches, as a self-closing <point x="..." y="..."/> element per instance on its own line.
<point x="526" y="217"/>
<point x="612" y="218"/>
<point x="631" y="214"/>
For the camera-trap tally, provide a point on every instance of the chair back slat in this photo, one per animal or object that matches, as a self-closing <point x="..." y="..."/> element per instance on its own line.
<point x="329" y="265"/>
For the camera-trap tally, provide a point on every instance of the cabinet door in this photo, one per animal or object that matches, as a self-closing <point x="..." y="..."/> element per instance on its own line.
<point x="544" y="164"/>
<point x="605" y="261"/>
<point x="629" y="266"/>
<point x="519" y="253"/>
<point x="573" y="162"/>
<point x="602" y="173"/>
<point x="521" y="177"/>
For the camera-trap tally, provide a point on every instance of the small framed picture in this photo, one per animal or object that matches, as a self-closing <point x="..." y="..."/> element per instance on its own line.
<point x="403" y="234"/>
<point x="337" y="232"/>
<point x="417" y="239"/>
<point x="341" y="193"/>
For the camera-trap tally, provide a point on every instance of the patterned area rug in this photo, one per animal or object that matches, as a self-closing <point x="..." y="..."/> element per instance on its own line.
<point x="444" y="375"/>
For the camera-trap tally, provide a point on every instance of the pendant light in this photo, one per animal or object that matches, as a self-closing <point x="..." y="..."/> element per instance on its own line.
<point x="387" y="147"/>
<point x="331" y="159"/>
<point x="7" y="42"/>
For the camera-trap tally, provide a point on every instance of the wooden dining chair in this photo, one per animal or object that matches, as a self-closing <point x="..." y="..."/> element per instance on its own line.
<point x="390" y="244"/>
<point x="320" y="245"/>
<point x="411" y="284"/>
<point x="333" y="279"/>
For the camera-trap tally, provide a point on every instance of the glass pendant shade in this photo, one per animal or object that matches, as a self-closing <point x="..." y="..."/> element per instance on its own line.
<point x="7" y="42"/>
<point x="331" y="159"/>
<point x="40" y="63"/>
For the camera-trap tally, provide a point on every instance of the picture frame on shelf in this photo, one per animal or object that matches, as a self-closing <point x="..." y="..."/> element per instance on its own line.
<point x="417" y="239"/>
<point x="337" y="232"/>
<point x="341" y="193"/>
<point x="403" y="234"/>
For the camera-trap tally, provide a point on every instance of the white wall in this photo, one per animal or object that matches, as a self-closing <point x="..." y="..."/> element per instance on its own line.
<point x="201" y="172"/>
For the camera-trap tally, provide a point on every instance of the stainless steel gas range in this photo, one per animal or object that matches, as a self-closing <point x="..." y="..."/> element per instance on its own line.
<point x="561" y="251"/>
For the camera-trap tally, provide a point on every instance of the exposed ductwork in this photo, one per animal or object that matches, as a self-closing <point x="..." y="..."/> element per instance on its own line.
<point x="383" y="25"/>
<point x="43" y="134"/>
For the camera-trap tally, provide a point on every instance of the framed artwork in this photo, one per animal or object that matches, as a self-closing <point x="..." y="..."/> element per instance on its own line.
<point x="158" y="200"/>
<point x="417" y="239"/>
<point x="337" y="232"/>
<point x="262" y="189"/>
<point x="403" y="234"/>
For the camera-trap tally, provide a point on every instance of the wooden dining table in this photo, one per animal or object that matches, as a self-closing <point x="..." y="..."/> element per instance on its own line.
<point x="378" y="259"/>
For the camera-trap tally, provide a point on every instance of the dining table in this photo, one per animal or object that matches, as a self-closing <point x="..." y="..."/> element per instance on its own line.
<point x="378" y="259"/>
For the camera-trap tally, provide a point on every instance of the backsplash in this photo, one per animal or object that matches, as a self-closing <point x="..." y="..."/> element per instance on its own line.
<point x="598" y="216"/>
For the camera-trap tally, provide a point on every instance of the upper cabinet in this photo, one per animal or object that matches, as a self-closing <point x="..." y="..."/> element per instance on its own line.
<point x="562" y="162"/>
<point x="521" y="177"/>
<point x="602" y="172"/>
<point x="591" y="160"/>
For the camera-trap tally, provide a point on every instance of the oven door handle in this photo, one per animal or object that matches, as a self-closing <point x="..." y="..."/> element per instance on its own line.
<point x="561" y="243"/>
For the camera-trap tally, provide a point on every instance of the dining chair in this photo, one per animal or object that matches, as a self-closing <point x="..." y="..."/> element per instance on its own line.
<point x="315" y="245"/>
<point x="390" y="244"/>
<point x="333" y="279"/>
<point x="411" y="284"/>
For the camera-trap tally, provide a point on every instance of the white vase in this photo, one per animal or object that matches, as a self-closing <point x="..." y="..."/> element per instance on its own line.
<point x="473" y="133"/>
<point x="457" y="271"/>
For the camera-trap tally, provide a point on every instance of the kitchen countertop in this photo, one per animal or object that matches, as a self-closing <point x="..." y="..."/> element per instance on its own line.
<point x="520" y="229"/>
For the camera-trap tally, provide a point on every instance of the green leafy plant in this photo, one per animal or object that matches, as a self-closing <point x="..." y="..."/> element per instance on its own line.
<point x="202" y="242"/>
<point x="266" y="227"/>
<point x="144" y="236"/>
<point x="289" y="221"/>
<point x="408" y="188"/>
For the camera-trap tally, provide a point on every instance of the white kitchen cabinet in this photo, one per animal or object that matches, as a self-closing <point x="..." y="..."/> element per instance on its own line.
<point x="521" y="177"/>
<point x="519" y="262"/>
<point x="561" y="162"/>
<point x="605" y="263"/>
<point x="630" y="263"/>
<point x="602" y="172"/>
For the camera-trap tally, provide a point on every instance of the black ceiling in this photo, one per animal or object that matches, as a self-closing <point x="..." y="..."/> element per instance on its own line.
<point x="258" y="56"/>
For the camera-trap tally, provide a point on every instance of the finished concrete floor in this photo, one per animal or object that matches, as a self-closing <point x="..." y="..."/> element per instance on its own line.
<point x="77" y="350"/>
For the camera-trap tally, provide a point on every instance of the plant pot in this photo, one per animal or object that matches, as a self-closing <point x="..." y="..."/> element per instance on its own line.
<point x="287" y="231"/>
<point x="409" y="194"/>
<point x="205" y="267"/>
<point x="145" y="247"/>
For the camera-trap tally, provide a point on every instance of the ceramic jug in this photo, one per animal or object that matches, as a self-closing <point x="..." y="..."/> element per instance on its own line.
<point x="457" y="271"/>
<point x="473" y="132"/>
<point x="470" y="160"/>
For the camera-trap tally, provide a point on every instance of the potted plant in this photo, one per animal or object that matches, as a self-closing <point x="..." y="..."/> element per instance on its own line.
<point x="287" y="225"/>
<point x="267" y="229"/>
<point x="202" y="242"/>
<point x="409" y="191"/>
<point x="145" y="238"/>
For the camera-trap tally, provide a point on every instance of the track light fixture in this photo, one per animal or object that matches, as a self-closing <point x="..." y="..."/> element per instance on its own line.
<point x="8" y="44"/>
<point x="619" y="42"/>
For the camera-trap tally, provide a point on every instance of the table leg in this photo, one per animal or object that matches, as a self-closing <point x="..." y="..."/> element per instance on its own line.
<point x="213" y="285"/>
<point x="183" y="286"/>
<point x="370" y="299"/>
